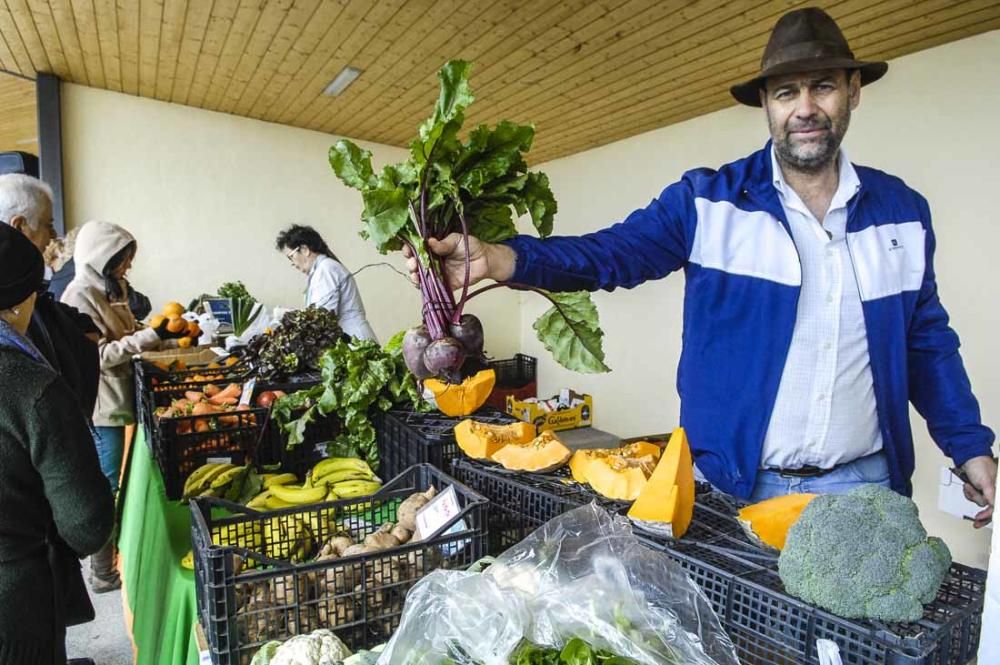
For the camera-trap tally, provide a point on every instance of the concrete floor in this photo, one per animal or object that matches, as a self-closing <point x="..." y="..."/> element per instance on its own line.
<point x="104" y="639"/>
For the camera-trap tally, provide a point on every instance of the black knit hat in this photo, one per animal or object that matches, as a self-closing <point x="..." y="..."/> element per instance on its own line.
<point x="22" y="268"/>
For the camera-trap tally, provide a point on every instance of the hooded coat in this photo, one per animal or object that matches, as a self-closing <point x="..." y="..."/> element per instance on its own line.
<point x="57" y="506"/>
<point x="121" y="335"/>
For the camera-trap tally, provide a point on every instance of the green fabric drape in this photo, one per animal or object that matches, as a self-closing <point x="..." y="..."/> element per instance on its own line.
<point x="155" y="534"/>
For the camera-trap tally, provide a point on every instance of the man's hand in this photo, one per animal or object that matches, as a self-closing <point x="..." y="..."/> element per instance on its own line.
<point x="981" y="488"/>
<point x="486" y="260"/>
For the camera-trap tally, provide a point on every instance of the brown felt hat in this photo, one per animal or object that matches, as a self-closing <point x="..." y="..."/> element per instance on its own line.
<point x="805" y="40"/>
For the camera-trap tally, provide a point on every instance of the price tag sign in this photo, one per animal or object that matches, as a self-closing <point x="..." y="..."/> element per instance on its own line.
<point x="219" y="460"/>
<point x="248" y="391"/>
<point x="439" y="511"/>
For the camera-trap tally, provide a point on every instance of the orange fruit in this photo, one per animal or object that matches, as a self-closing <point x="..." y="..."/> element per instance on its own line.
<point x="185" y="342"/>
<point x="194" y="330"/>
<point x="231" y="360"/>
<point x="176" y="324"/>
<point x="173" y="309"/>
<point x="157" y="321"/>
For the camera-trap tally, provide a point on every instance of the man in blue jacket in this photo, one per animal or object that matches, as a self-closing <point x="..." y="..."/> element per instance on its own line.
<point x="811" y="308"/>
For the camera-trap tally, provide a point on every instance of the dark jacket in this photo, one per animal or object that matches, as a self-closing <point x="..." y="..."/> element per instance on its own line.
<point x="61" y="279"/>
<point x="57" y="505"/>
<point x="60" y="331"/>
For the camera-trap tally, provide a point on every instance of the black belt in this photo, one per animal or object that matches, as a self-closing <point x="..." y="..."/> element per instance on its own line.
<point x="803" y="471"/>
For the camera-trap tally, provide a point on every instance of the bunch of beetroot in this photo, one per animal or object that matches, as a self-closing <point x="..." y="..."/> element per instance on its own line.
<point x="446" y="355"/>
<point x="473" y="188"/>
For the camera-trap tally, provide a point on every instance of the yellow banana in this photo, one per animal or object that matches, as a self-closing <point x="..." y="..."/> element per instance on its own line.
<point x="202" y="478"/>
<point x="274" y="503"/>
<point x="282" y="479"/>
<point x="350" y="489"/>
<point x="303" y="541"/>
<point x="341" y="475"/>
<point x="277" y="537"/>
<point x="226" y="477"/>
<point x="330" y="464"/>
<point x="194" y="480"/>
<point x="299" y="496"/>
<point x="259" y="501"/>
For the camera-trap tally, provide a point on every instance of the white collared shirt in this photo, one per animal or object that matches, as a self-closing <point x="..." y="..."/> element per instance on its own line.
<point x="825" y="412"/>
<point x="332" y="287"/>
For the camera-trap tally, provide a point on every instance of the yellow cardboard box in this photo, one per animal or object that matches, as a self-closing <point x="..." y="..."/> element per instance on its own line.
<point x="560" y="418"/>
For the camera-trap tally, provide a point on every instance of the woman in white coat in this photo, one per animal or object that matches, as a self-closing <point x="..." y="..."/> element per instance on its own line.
<point x="330" y="285"/>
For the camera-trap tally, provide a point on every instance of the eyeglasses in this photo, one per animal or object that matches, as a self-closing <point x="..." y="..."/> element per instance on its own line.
<point x="292" y="253"/>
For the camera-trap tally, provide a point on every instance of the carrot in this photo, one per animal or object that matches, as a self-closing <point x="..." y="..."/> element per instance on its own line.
<point x="219" y="399"/>
<point x="232" y="390"/>
<point x="211" y="390"/>
<point x="194" y="396"/>
<point x="205" y="408"/>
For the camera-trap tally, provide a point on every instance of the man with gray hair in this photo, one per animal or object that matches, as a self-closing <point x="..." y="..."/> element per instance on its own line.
<point x="67" y="338"/>
<point x="26" y="204"/>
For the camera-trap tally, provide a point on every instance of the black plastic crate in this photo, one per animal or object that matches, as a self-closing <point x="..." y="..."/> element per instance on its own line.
<point x="246" y="601"/>
<point x="769" y="626"/>
<point x="304" y="456"/>
<point x="181" y="445"/>
<point x="740" y="579"/>
<point x="300" y="458"/>
<point x="406" y="437"/>
<point x="155" y="387"/>
<point x="521" y="502"/>
<point x="517" y="376"/>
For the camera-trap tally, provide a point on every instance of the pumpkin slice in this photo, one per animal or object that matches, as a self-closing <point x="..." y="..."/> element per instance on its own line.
<point x="481" y="440"/>
<point x="617" y="473"/>
<point x="665" y="504"/>
<point x="542" y="454"/>
<point x="767" y="523"/>
<point x="463" y="398"/>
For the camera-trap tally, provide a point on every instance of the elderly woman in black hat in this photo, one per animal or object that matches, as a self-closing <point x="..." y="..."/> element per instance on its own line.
<point x="57" y="505"/>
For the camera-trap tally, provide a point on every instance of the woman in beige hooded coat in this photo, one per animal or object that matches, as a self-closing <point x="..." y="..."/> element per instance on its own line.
<point x="103" y="254"/>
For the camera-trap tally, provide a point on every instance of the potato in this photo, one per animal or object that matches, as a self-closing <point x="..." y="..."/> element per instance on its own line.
<point x="407" y="511"/>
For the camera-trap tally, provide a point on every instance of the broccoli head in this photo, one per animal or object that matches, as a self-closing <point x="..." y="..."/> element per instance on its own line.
<point x="864" y="555"/>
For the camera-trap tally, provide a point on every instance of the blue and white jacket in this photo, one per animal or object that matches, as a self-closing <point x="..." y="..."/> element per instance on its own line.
<point x="728" y="231"/>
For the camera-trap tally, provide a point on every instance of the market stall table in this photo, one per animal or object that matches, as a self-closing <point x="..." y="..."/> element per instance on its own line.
<point x="158" y="594"/>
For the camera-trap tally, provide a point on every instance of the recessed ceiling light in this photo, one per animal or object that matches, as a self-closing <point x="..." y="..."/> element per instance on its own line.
<point x="341" y="81"/>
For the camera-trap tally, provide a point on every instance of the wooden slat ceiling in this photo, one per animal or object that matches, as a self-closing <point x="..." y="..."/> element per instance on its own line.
<point x="18" y="119"/>
<point x="586" y="72"/>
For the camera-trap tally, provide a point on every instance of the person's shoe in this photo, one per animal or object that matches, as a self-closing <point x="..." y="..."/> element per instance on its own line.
<point x="103" y="574"/>
<point x="105" y="584"/>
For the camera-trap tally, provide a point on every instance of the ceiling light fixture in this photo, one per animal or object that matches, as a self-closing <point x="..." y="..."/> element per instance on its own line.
<point x="341" y="81"/>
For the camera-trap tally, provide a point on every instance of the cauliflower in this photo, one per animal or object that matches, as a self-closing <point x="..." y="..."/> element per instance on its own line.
<point x="320" y="647"/>
<point x="864" y="555"/>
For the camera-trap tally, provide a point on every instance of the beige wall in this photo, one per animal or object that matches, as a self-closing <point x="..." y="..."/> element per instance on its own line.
<point x="932" y="121"/>
<point x="206" y="193"/>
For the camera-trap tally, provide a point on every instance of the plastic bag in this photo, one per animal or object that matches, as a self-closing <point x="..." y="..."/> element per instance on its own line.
<point x="582" y="575"/>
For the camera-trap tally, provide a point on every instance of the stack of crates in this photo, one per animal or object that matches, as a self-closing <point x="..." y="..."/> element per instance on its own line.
<point x="741" y="580"/>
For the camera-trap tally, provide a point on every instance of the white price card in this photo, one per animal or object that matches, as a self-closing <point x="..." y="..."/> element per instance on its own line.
<point x="248" y="391"/>
<point x="438" y="512"/>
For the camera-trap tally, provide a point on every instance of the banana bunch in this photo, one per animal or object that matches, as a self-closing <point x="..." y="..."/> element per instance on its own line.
<point x="329" y="480"/>
<point x="289" y="537"/>
<point x="212" y="479"/>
